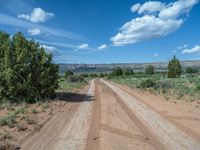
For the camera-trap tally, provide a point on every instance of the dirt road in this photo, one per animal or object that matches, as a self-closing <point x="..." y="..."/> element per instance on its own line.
<point x="109" y="118"/>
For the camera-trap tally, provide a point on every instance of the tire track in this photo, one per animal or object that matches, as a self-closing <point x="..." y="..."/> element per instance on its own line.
<point x="148" y="136"/>
<point x="169" y="135"/>
<point x="93" y="139"/>
<point x="121" y="132"/>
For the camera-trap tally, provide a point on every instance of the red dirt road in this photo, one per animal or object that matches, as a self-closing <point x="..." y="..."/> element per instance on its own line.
<point x="109" y="118"/>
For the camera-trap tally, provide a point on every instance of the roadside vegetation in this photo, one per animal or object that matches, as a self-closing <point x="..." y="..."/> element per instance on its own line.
<point x="175" y="83"/>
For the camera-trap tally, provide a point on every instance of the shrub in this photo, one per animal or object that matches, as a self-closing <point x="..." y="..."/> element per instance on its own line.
<point x="128" y="72"/>
<point x="93" y="75"/>
<point x="27" y="72"/>
<point x="117" y="71"/>
<point x="85" y="75"/>
<point x="149" y="70"/>
<point x="191" y="70"/>
<point x="8" y="120"/>
<point x="76" y="79"/>
<point x="174" y="68"/>
<point x="147" y="83"/>
<point x="68" y="73"/>
<point x="101" y="75"/>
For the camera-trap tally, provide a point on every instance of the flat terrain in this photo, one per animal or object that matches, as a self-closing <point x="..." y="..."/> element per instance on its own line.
<point x="114" y="117"/>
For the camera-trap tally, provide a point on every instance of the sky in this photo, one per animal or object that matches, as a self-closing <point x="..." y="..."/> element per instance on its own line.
<point x="107" y="31"/>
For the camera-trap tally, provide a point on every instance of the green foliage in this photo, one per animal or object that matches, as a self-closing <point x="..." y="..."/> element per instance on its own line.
<point x="128" y="72"/>
<point x="147" y="83"/>
<point x="27" y="72"/>
<point x="84" y="75"/>
<point x="75" y="79"/>
<point x="8" y="120"/>
<point x="93" y="75"/>
<point x="101" y="75"/>
<point x="191" y="70"/>
<point x="174" y="68"/>
<point x="149" y="70"/>
<point x="68" y="73"/>
<point x="117" y="71"/>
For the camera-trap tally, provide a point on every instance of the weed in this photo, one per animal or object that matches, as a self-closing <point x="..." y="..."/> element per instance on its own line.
<point x="45" y="106"/>
<point x="8" y="120"/>
<point x="35" y="111"/>
<point x="30" y="120"/>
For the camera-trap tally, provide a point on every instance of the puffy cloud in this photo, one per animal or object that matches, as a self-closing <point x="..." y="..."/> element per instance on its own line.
<point x="37" y="15"/>
<point x="155" y="55"/>
<point x="83" y="46"/>
<point x="151" y="7"/>
<point x="104" y="46"/>
<point x="177" y="8"/>
<point x="34" y="31"/>
<point x="51" y="49"/>
<point x="135" y="7"/>
<point x="145" y="28"/>
<point x="194" y="50"/>
<point x="158" y="20"/>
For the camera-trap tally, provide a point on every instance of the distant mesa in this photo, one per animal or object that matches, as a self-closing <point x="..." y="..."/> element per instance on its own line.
<point x="159" y="66"/>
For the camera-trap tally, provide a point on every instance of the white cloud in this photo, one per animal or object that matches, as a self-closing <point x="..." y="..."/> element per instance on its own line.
<point x="155" y="55"/>
<point x="144" y="28"/>
<point x="177" y="8"/>
<point x="34" y="31"/>
<point x="182" y="47"/>
<point x="104" y="46"/>
<point x="51" y="49"/>
<point x="194" y="50"/>
<point x="151" y="7"/>
<point x="37" y="15"/>
<point x="19" y="23"/>
<point x="83" y="46"/>
<point x="158" y="20"/>
<point x="135" y="7"/>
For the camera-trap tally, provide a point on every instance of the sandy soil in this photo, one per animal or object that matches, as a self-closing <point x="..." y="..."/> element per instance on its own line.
<point x="168" y="134"/>
<point x="67" y="129"/>
<point x="114" y="117"/>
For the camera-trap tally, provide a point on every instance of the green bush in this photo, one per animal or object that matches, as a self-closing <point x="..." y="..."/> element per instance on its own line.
<point x="93" y="75"/>
<point x="117" y="71"/>
<point x="147" y="83"/>
<point x="76" y="79"/>
<point x="68" y="73"/>
<point x="128" y="72"/>
<point x="149" y="70"/>
<point x="8" y="120"/>
<point x="101" y="75"/>
<point x="174" y="68"/>
<point x="191" y="70"/>
<point x="27" y="72"/>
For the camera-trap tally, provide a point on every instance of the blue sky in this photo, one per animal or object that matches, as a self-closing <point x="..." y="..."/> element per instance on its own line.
<point x="107" y="31"/>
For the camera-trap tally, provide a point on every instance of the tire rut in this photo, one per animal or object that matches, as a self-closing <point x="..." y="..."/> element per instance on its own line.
<point x="155" y="126"/>
<point x="93" y="139"/>
<point x="148" y="136"/>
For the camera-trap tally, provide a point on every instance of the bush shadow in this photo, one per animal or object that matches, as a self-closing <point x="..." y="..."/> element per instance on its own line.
<point x="74" y="97"/>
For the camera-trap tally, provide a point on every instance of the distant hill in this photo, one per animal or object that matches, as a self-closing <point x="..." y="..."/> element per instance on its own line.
<point x="159" y="66"/>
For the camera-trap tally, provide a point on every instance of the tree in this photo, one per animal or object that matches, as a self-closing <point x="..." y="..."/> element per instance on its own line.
<point x="27" y="72"/>
<point x="101" y="75"/>
<point x="117" y="71"/>
<point x="68" y="73"/>
<point x="191" y="70"/>
<point x="174" y="68"/>
<point x="128" y="71"/>
<point x="149" y="70"/>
